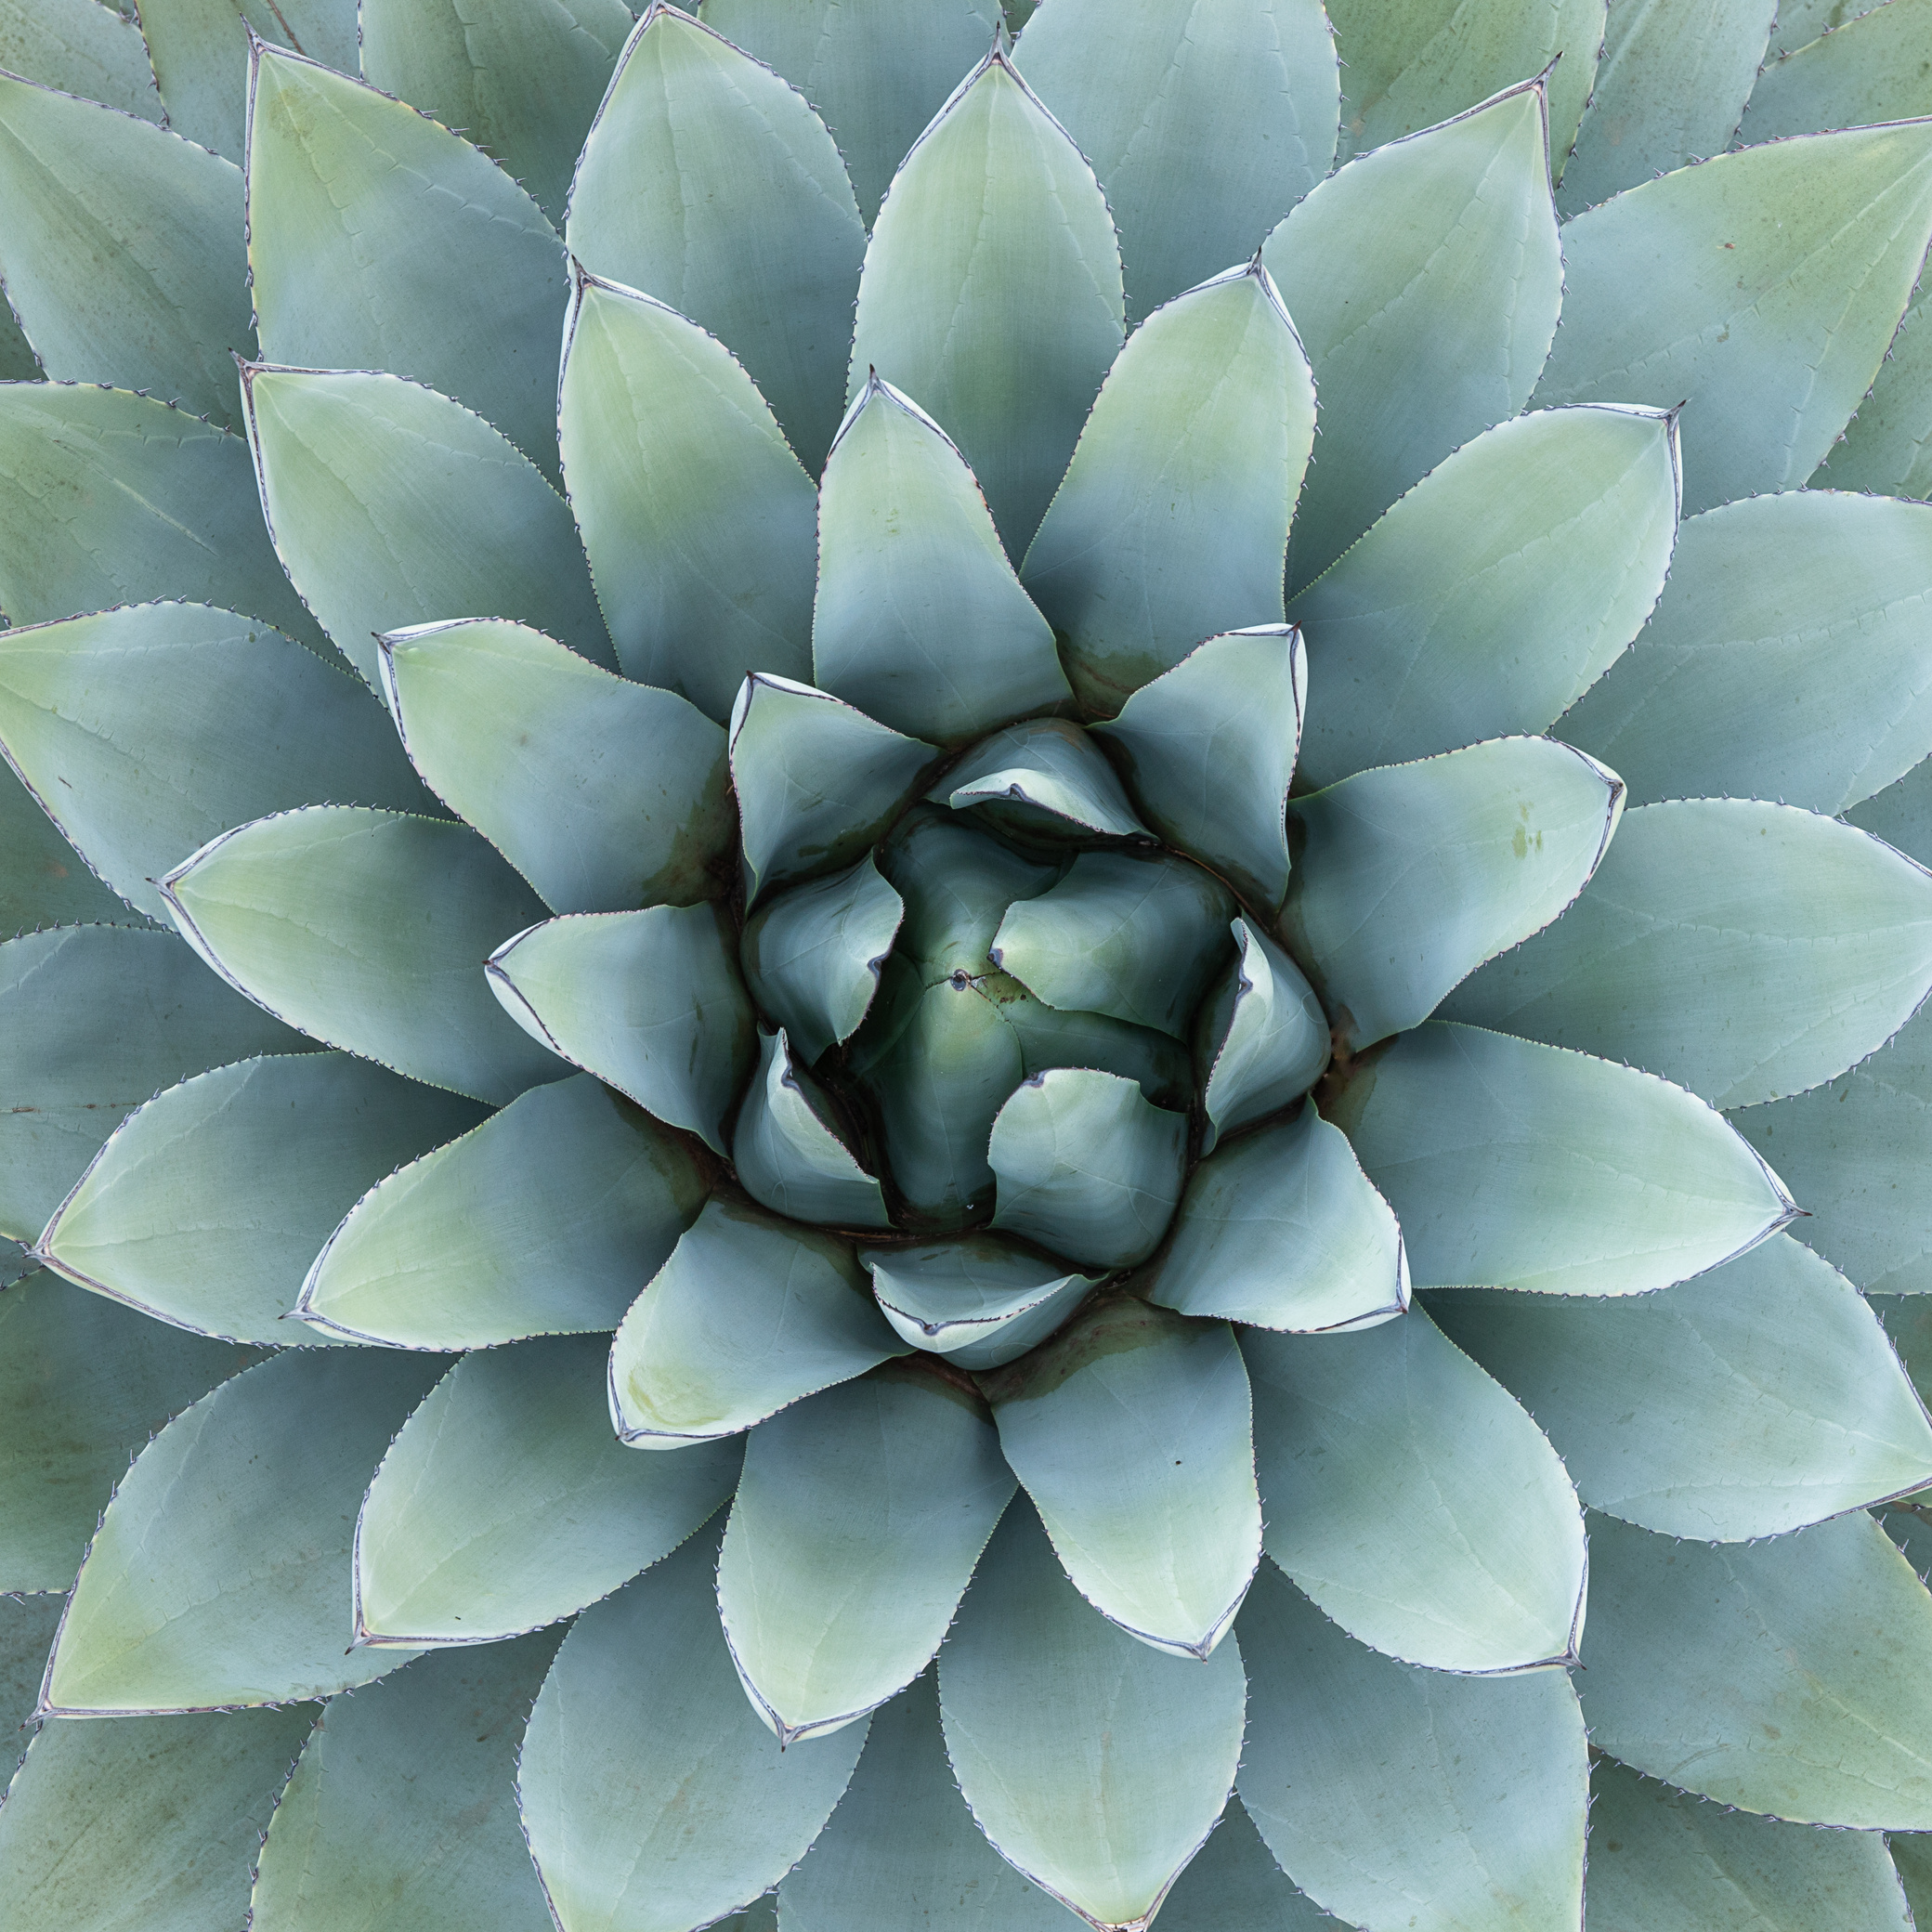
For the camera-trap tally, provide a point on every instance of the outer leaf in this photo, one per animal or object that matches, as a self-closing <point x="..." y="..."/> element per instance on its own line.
<point x="708" y="182"/>
<point x="1411" y="63"/>
<point x="1662" y="1862"/>
<point x="371" y="228"/>
<point x="750" y="1314"/>
<point x="1902" y="814"/>
<point x="1209" y="749"/>
<point x="1782" y="1676"/>
<point x="1405" y="1798"/>
<point x="909" y="565"/>
<point x="1511" y="1165"/>
<point x="144" y="731"/>
<point x="1414" y="1501"/>
<point x="506" y="1502"/>
<point x="1001" y="324"/>
<point x="1786" y="659"/>
<point x="538" y="1222"/>
<point x="604" y="794"/>
<point x="83" y="1385"/>
<point x="126" y="1826"/>
<point x="44" y="881"/>
<point x="788" y="1152"/>
<point x="1173" y="522"/>
<point x="1495" y="593"/>
<point x="1133" y="937"/>
<point x="1234" y="1884"/>
<point x="1093" y="1763"/>
<point x="81" y="48"/>
<point x="696" y="516"/>
<point x="1791" y="947"/>
<point x="1283" y="1231"/>
<point x="1869" y="67"/>
<point x="208" y="1203"/>
<point x="858" y="1520"/>
<point x="652" y="1798"/>
<point x="522" y="81"/>
<point x="122" y="250"/>
<point x="1801" y="21"/>
<point x="1410" y="876"/>
<point x="27" y="1628"/>
<point x="1671" y="88"/>
<point x="366" y="929"/>
<point x="1133" y="85"/>
<point x="1261" y="1036"/>
<point x="218" y="1575"/>
<point x="1764" y="286"/>
<point x="1029" y="776"/>
<point x="876" y="72"/>
<point x="903" y="1848"/>
<point x="1752" y="1401"/>
<point x="402" y="1804"/>
<point x="1091" y="1424"/>
<point x="1854" y="1150"/>
<point x="649" y="1001"/>
<point x="1915" y="1869"/>
<point x="1450" y="307"/>
<point x="1087" y="1166"/>
<point x="391" y="505"/>
<point x="84" y="475"/>
<point x="812" y="956"/>
<point x="1887" y="446"/>
<point x="816" y="781"/>
<point x="979" y="1302"/>
<point x="93" y="1020"/>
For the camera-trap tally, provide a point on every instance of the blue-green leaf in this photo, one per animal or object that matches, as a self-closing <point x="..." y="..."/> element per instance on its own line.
<point x="812" y="956"/>
<point x="1260" y="1037"/>
<point x="1887" y="446"/>
<point x="1234" y="1884"/>
<point x="44" y="881"/>
<point x="1869" y="68"/>
<point x="1046" y="776"/>
<point x="979" y="1301"/>
<point x="788" y="1152"/>
<point x="81" y="48"/>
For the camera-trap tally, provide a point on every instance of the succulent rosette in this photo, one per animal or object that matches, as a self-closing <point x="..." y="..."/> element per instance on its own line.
<point x="972" y="1082"/>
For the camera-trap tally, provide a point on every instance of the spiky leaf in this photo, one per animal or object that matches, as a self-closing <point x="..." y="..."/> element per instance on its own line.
<point x="788" y="1152"/>
<point x="812" y="956"/>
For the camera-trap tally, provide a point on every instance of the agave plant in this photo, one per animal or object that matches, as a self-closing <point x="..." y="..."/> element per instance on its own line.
<point x="736" y="1060"/>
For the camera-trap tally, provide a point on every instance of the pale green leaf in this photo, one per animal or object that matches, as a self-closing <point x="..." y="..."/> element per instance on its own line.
<point x="1747" y="951"/>
<point x="1087" y="1166"/>
<point x="750" y="1314"/>
<point x="1095" y="1764"/>
<point x="650" y="1001"/>
<point x="508" y="1502"/>
<point x="1425" y="279"/>
<point x="83" y="1385"/>
<point x="147" y="730"/>
<point x="604" y="794"/>
<point x="1412" y="1501"/>
<point x="80" y="47"/>
<point x="368" y="929"/>
<point x="1173" y="522"/>
<point x="860" y="1515"/>
<point x="372" y="229"/>
<point x="122" y="250"/>
<point x="1764" y="286"/>
<point x="788" y="1149"/>
<point x="1409" y="1800"/>
<point x="652" y="1797"/>
<point x="1208" y="749"/>
<point x="220" y="1573"/>
<point x="1494" y="594"/>
<point x="1887" y="446"/>
<point x="1097" y="1423"/>
<point x="94" y="1020"/>
<point x="1869" y="68"/>
<point x="541" y="1221"/>
<point x="1001" y="324"/>
<point x="979" y="1301"/>
<point x="390" y="505"/>
<point x="909" y="566"/>
<point x="812" y="956"/>
<point x="27" y="1630"/>
<point x="112" y="497"/>
<point x="522" y="81"/>
<point x="1408" y="877"/>
<point x="1787" y="1677"/>
<point x="1260" y="1037"/>
<point x="1030" y="776"/>
<point x="44" y="881"/>
<point x="1514" y="1165"/>
<point x="207" y="1204"/>
<point x="1134" y="84"/>
<point x="695" y="512"/>
<point x="403" y="1807"/>
<point x="131" y="1826"/>
<point x="1790" y="657"/>
<point x="708" y="182"/>
<point x="1281" y="1230"/>
<point x="1902" y="814"/>
<point x="1801" y="21"/>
